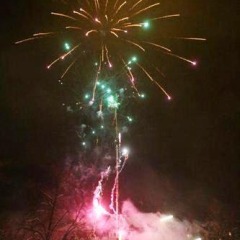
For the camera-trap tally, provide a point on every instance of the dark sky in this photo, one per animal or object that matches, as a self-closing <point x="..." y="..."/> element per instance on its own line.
<point x="194" y="140"/>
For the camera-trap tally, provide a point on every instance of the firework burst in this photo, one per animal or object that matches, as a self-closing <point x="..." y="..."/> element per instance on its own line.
<point x="108" y="32"/>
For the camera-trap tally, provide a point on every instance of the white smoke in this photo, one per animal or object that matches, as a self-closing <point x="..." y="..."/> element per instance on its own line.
<point x="136" y="225"/>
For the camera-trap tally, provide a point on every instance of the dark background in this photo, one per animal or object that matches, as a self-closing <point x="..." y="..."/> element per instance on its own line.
<point x="184" y="152"/>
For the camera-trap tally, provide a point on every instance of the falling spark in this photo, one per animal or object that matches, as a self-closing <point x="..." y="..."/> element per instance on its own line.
<point x="26" y="40"/>
<point x="159" y="46"/>
<point x="136" y="4"/>
<point x="135" y="44"/>
<point x="150" y="77"/>
<point x="69" y="67"/>
<point x="43" y="34"/>
<point x="166" y="16"/>
<point x="191" y="38"/>
<point x="182" y="58"/>
<point x="115" y="34"/>
<point x="73" y="27"/>
<point x="62" y="57"/>
<point x="90" y="31"/>
<point x="145" y="9"/>
<point x="80" y="14"/>
<point x="119" y="8"/>
<point x="63" y="15"/>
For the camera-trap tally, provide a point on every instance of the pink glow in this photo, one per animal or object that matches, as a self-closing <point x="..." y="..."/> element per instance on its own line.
<point x="98" y="209"/>
<point x="194" y="63"/>
<point x="122" y="234"/>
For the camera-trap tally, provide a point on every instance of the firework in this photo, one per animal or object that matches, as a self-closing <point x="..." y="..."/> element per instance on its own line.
<point x="109" y="31"/>
<point x="109" y="37"/>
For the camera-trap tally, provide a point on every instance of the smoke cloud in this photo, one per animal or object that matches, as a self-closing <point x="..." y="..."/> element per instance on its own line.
<point x="136" y="225"/>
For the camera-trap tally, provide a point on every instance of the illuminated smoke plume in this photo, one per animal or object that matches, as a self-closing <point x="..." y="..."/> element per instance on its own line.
<point x="136" y="225"/>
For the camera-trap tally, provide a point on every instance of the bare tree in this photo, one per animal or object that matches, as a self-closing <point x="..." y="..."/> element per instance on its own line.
<point x="59" y="215"/>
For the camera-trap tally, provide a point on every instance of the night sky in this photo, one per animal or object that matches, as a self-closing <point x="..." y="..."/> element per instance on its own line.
<point x="187" y="149"/>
